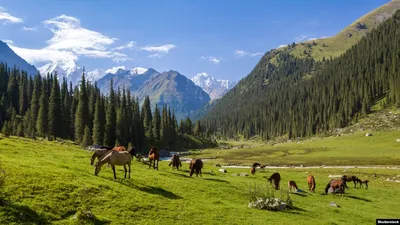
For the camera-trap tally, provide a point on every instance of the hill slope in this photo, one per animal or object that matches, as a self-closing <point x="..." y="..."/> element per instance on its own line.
<point x="7" y="55"/>
<point x="175" y="90"/>
<point x="279" y="98"/>
<point x="338" y="44"/>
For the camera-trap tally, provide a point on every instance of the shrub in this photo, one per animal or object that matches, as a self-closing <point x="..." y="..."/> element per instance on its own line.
<point x="266" y="199"/>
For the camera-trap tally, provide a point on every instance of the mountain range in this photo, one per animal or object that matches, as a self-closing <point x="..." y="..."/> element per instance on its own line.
<point x="186" y="97"/>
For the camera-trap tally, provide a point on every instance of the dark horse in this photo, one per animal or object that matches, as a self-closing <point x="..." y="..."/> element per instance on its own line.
<point x="311" y="183"/>
<point x="363" y="182"/>
<point x="175" y="162"/>
<point x="253" y="168"/>
<point x="346" y="178"/>
<point x="276" y="177"/>
<point x="335" y="184"/>
<point x="196" y="165"/>
<point x="154" y="155"/>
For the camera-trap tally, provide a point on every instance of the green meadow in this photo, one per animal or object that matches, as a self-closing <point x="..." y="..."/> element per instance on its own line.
<point x="49" y="182"/>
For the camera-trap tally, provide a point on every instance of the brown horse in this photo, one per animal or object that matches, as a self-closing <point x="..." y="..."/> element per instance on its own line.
<point x="175" y="162"/>
<point x="346" y="178"/>
<point x="119" y="148"/>
<point x="114" y="158"/>
<point x="363" y="182"/>
<point x="335" y="184"/>
<point x="292" y="185"/>
<point x="154" y="155"/>
<point x="196" y="165"/>
<point x="311" y="183"/>
<point x="98" y="153"/>
<point x="253" y="170"/>
<point x="276" y="177"/>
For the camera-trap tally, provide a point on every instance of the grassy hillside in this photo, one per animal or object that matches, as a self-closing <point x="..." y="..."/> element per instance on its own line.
<point x="338" y="44"/>
<point x="48" y="182"/>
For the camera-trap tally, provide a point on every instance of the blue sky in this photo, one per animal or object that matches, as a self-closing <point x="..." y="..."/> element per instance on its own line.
<point x="222" y="38"/>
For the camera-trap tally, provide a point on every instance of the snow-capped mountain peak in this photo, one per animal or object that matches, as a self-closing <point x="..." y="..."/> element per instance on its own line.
<point x="138" y="70"/>
<point x="67" y="69"/>
<point x="214" y="87"/>
<point x="114" y="70"/>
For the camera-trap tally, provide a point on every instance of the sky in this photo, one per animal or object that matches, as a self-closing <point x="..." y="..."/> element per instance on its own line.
<point x="224" y="39"/>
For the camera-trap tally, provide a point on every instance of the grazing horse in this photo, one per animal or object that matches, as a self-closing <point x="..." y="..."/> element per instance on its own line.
<point x="311" y="183"/>
<point x="253" y="170"/>
<point x="106" y="147"/>
<point x="195" y="166"/>
<point x="363" y="182"/>
<point x="346" y="178"/>
<point x="98" y="153"/>
<point x="255" y="165"/>
<point x="120" y="148"/>
<point x="335" y="184"/>
<point x="292" y="185"/>
<point x="276" y="177"/>
<point x="175" y="162"/>
<point x="114" y="158"/>
<point x="154" y="155"/>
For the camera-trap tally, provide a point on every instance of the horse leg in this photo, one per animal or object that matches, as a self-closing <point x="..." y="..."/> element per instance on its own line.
<point x="125" y="171"/>
<point x="201" y="175"/>
<point x="355" y="186"/>
<point x="150" y="163"/>
<point x="157" y="163"/>
<point x="129" y="167"/>
<point x="113" y="168"/>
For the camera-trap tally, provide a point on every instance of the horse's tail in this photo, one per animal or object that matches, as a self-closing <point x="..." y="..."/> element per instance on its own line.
<point x="327" y="187"/>
<point x="170" y="164"/>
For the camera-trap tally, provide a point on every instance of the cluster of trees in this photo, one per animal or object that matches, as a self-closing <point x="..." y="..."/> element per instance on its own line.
<point x="44" y="107"/>
<point x="301" y="97"/>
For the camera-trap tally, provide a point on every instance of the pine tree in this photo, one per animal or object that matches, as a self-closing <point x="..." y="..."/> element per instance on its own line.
<point x="41" y="123"/>
<point x="146" y="115"/>
<point x="157" y="124"/>
<point x="54" y="117"/>
<point x="82" y="111"/>
<point x="98" y="123"/>
<point x="188" y="126"/>
<point x="87" y="138"/>
<point x="23" y="98"/>
<point x="197" y="130"/>
<point x="109" y="138"/>
<point x="34" y="109"/>
<point x="6" y="130"/>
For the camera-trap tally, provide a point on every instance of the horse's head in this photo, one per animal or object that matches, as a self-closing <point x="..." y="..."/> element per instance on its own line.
<point x="97" y="169"/>
<point x="132" y="151"/>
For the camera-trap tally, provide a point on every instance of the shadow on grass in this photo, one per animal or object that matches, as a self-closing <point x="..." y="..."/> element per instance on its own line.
<point x="217" y="180"/>
<point x="94" y="221"/>
<point x="20" y="214"/>
<point x="358" y="198"/>
<point x="181" y="175"/>
<point x="151" y="190"/>
<point x="304" y="194"/>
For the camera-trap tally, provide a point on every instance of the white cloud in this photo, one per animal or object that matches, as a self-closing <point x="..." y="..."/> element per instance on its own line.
<point x="10" y="42"/>
<point x="314" y="23"/>
<point x="312" y="39"/>
<point x="129" y="45"/>
<point x="7" y="17"/>
<point x="29" y="28"/>
<point x="158" y="51"/>
<point x="212" y="59"/>
<point x="301" y="38"/>
<point x="240" y="53"/>
<point x="70" y="41"/>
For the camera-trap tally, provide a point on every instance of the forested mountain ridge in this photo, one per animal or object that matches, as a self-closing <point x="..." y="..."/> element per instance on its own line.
<point x="280" y="97"/>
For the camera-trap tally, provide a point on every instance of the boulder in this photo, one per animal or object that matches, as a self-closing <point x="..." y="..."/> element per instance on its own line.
<point x="349" y="34"/>
<point x="244" y="174"/>
<point x="368" y="134"/>
<point x="333" y="204"/>
<point x="222" y="170"/>
<point x="398" y="140"/>
<point x="271" y="204"/>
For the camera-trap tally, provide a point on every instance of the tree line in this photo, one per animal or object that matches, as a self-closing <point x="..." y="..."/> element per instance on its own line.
<point x="285" y="95"/>
<point x="51" y="108"/>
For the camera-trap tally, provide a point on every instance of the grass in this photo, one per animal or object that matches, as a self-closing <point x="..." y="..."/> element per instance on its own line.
<point x="45" y="182"/>
<point x="348" y="149"/>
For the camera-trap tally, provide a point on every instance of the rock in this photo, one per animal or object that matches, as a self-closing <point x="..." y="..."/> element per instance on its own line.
<point x="244" y="174"/>
<point x="368" y="135"/>
<point x="398" y="140"/>
<point x="361" y="26"/>
<point x="222" y="170"/>
<point x="271" y="204"/>
<point x="333" y="204"/>
<point x="349" y="34"/>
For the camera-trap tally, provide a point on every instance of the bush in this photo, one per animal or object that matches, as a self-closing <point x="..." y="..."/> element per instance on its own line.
<point x="84" y="213"/>
<point x="266" y="199"/>
<point x="3" y="196"/>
